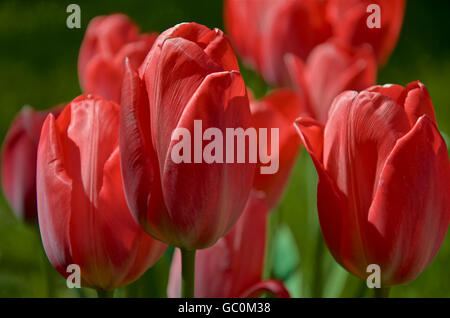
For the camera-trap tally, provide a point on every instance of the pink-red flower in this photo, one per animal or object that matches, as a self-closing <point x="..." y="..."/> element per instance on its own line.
<point x="106" y="44"/>
<point x="263" y="31"/>
<point x="233" y="267"/>
<point x="349" y="19"/>
<point x="83" y="215"/>
<point x="384" y="180"/>
<point x="279" y="109"/>
<point x="19" y="152"/>
<point x="190" y="74"/>
<point x="330" y="69"/>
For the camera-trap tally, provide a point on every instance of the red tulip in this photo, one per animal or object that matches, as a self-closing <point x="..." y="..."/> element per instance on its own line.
<point x="349" y="19"/>
<point x="108" y="40"/>
<point x="331" y="68"/>
<point x="190" y="74"/>
<point x="384" y="180"/>
<point x="233" y="267"/>
<point x="83" y="215"/>
<point x="263" y="31"/>
<point x="279" y="110"/>
<point x="19" y="153"/>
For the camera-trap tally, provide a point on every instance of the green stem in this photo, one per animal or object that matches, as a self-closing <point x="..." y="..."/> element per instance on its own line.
<point x="382" y="292"/>
<point x="317" y="279"/>
<point x="105" y="293"/>
<point x="187" y="273"/>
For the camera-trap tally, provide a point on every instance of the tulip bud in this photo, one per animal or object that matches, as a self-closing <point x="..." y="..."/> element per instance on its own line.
<point x="374" y="22"/>
<point x="83" y="215"/>
<point x="278" y="110"/>
<point x="233" y="267"/>
<point x="191" y="74"/>
<point x="108" y="40"/>
<point x="331" y="68"/>
<point x="263" y="31"/>
<point x="384" y="178"/>
<point x="19" y="153"/>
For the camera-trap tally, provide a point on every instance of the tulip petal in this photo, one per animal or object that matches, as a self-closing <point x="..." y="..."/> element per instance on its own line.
<point x="138" y="163"/>
<point x="334" y="67"/>
<point x="411" y="218"/>
<point x="53" y="193"/>
<point x="18" y="161"/>
<point x="102" y="77"/>
<point x="418" y="103"/>
<point x="105" y="35"/>
<point x="119" y="234"/>
<point x="220" y="102"/>
<point x="396" y="92"/>
<point x="182" y="67"/>
<point x="331" y="202"/>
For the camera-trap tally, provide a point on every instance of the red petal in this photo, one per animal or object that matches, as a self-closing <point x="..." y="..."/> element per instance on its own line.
<point x="171" y="80"/>
<point x="139" y="165"/>
<point x="103" y="77"/>
<point x="219" y="102"/>
<point x="19" y="152"/>
<point x="418" y="102"/>
<point x="105" y="35"/>
<point x="332" y="68"/>
<point x="349" y="19"/>
<point x="54" y="189"/>
<point x="331" y="202"/>
<point x="410" y="212"/>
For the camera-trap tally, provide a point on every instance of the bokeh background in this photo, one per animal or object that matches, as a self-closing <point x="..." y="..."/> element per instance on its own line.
<point x="38" y="67"/>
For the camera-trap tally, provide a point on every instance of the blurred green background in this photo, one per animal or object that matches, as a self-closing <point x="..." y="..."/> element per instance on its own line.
<point x="38" y="65"/>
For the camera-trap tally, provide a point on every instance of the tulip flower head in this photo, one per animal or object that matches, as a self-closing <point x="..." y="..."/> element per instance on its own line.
<point x="83" y="215"/>
<point x="355" y="22"/>
<point x="19" y="154"/>
<point x="108" y="40"/>
<point x="263" y="31"/>
<point x="384" y="180"/>
<point x="331" y="68"/>
<point x="190" y="74"/>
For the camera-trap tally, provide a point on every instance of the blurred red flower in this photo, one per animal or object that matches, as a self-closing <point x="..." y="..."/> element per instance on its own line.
<point x="263" y="31"/>
<point x="106" y="44"/>
<point x="330" y="69"/>
<point x="349" y="21"/>
<point x="19" y="152"/>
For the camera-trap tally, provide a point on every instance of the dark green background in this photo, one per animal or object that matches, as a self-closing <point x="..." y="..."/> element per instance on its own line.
<point x="38" y="66"/>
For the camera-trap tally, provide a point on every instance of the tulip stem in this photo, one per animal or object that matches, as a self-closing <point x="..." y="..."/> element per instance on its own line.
<point x="187" y="273"/>
<point x="105" y="293"/>
<point x="382" y="292"/>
